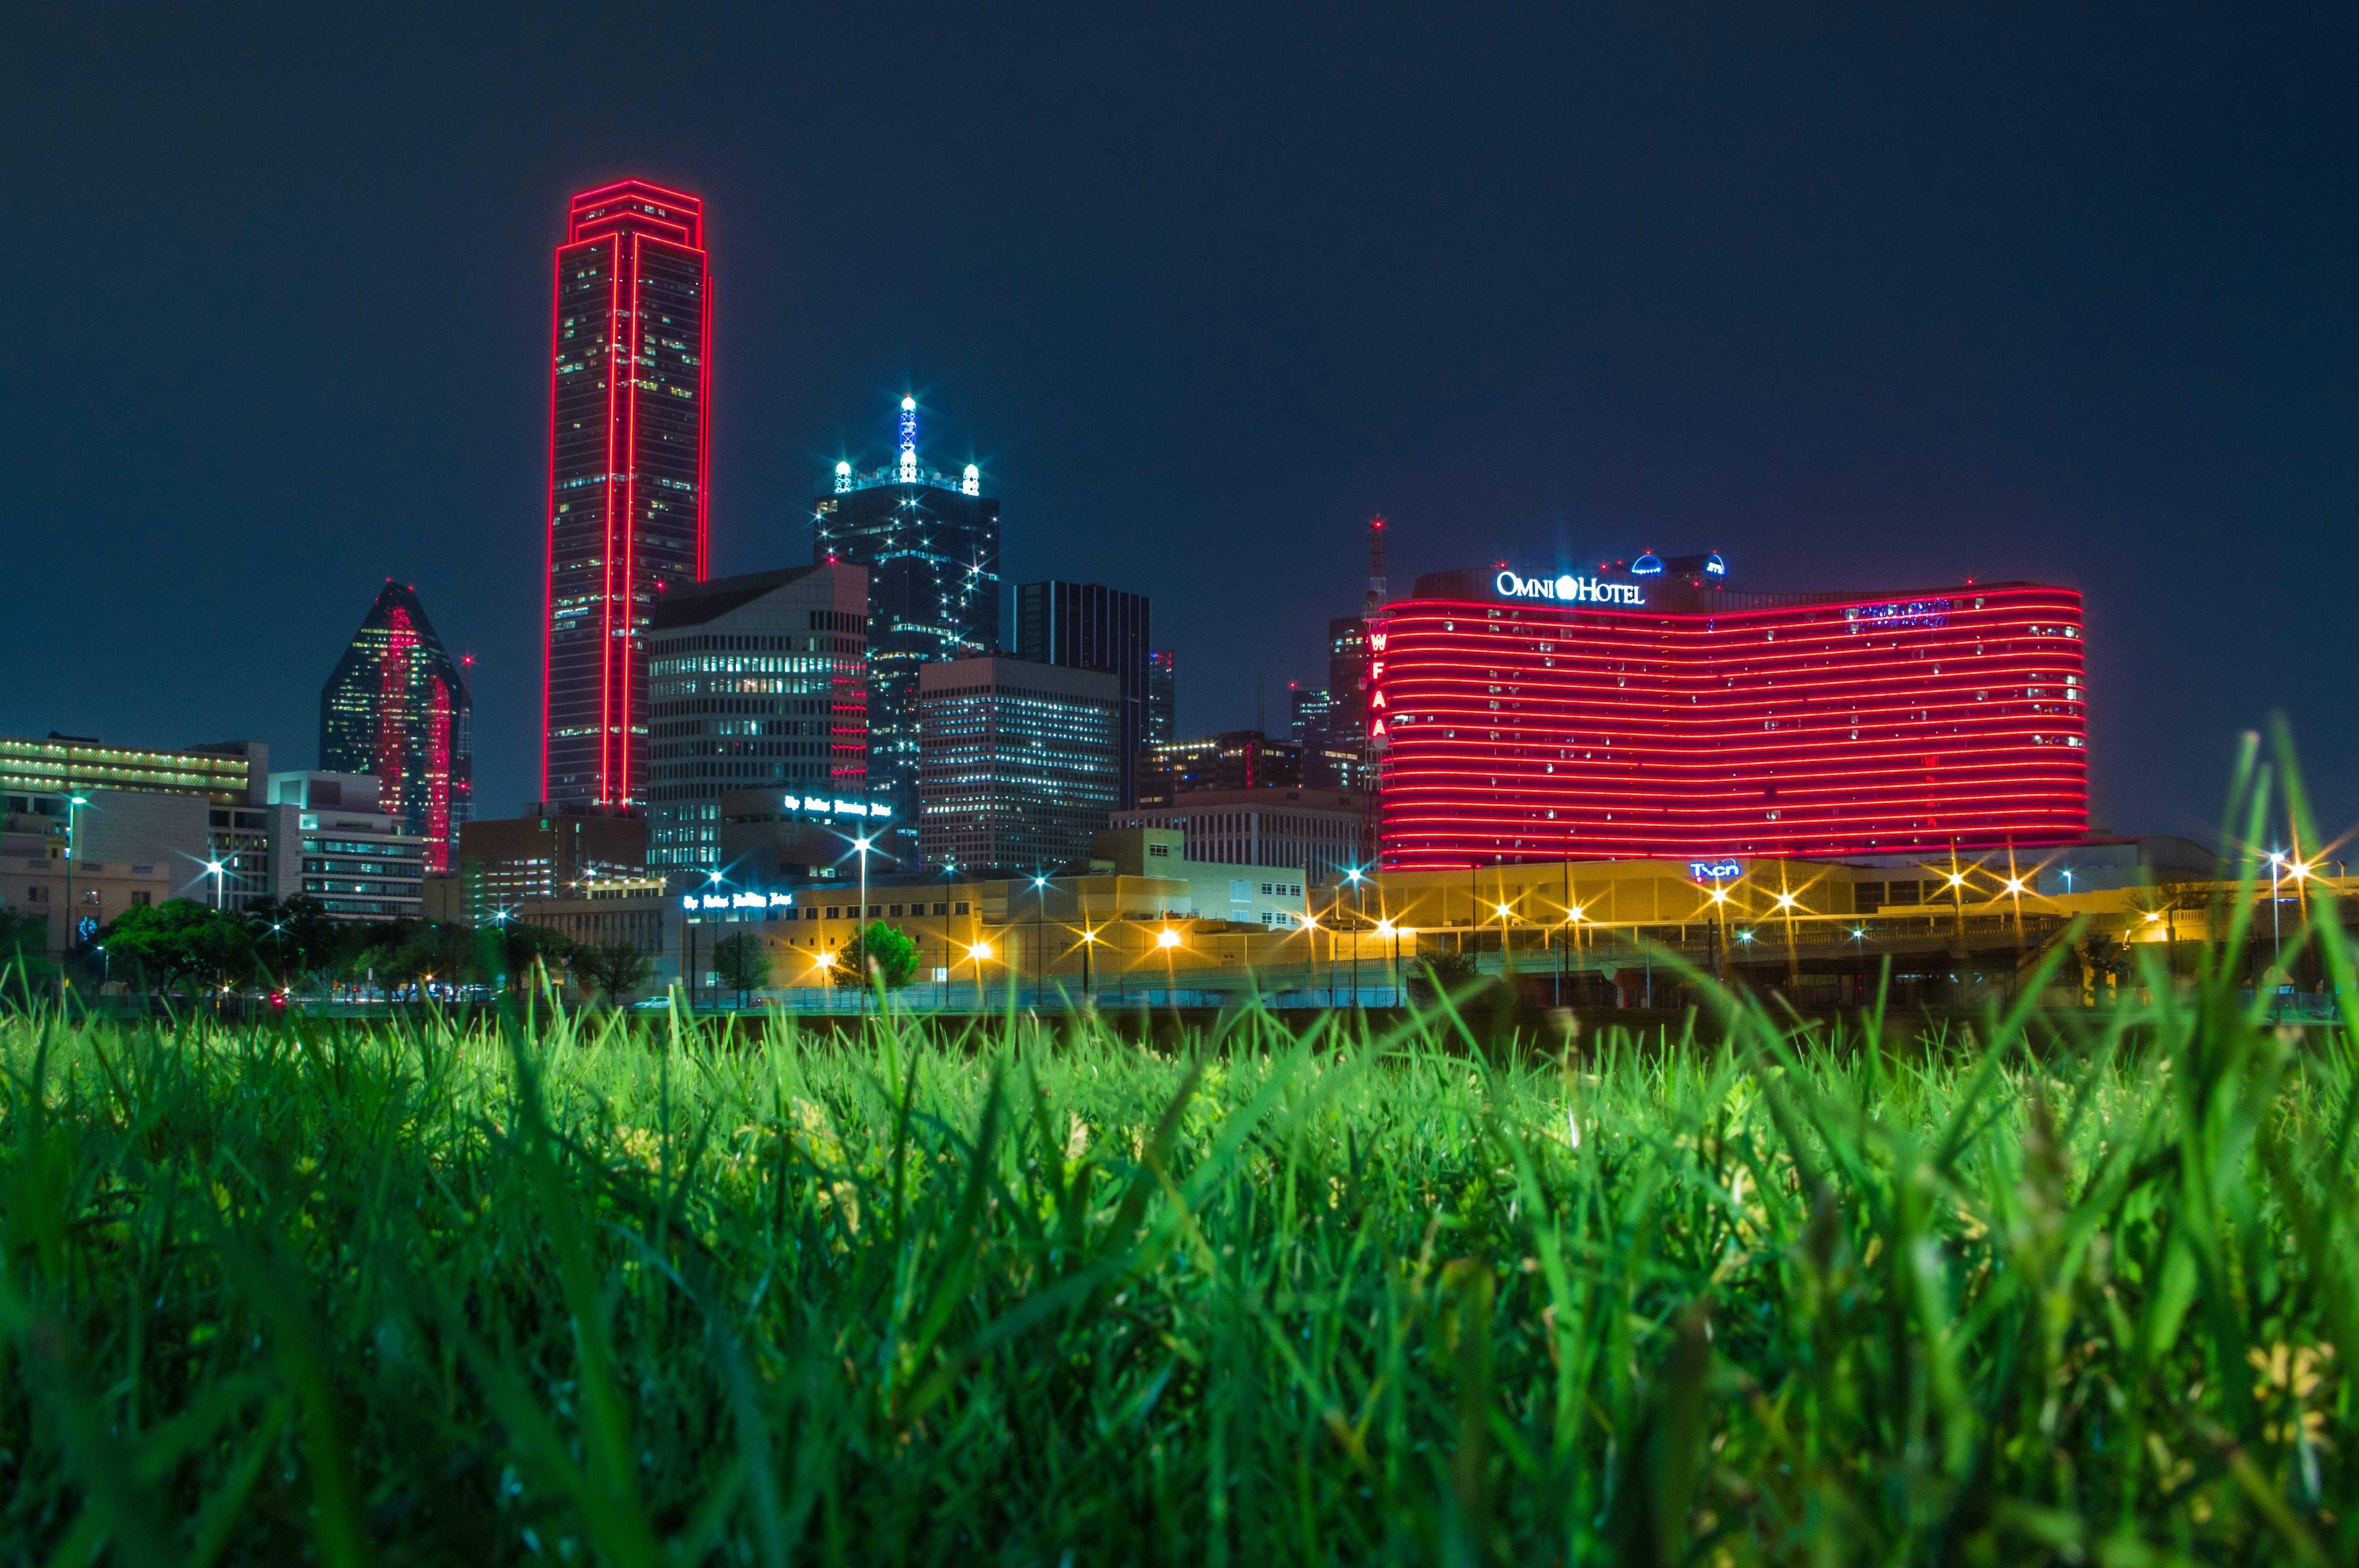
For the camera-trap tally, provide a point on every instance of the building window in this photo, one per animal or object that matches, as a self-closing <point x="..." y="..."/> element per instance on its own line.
<point x="139" y="900"/>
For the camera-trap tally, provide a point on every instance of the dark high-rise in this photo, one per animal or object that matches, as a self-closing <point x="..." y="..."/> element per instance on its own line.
<point x="1162" y="697"/>
<point x="398" y="707"/>
<point x="628" y="439"/>
<point x="1088" y="625"/>
<point x="930" y="542"/>
<point x="1235" y="759"/>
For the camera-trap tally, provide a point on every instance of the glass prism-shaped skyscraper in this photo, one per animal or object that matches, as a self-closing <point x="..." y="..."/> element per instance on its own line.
<point x="398" y="707"/>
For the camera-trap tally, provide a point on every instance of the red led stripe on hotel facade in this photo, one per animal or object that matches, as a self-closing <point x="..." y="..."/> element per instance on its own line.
<point x="1756" y="725"/>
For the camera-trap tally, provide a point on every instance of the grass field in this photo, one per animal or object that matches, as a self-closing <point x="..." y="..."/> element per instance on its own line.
<point x="577" y="1294"/>
<point x="573" y="1289"/>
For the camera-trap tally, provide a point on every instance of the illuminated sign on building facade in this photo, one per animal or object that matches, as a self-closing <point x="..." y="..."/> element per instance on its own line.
<point x="1567" y="589"/>
<point x="1708" y="724"/>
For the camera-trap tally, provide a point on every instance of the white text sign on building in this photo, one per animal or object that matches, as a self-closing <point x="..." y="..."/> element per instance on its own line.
<point x="1568" y="589"/>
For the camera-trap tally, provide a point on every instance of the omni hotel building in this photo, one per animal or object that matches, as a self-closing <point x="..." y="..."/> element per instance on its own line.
<point x="1646" y="710"/>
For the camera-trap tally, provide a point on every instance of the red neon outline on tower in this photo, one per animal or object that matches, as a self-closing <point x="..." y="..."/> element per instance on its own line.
<point x="653" y="219"/>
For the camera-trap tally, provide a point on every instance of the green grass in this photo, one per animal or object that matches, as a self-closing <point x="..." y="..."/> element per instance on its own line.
<point x="569" y="1292"/>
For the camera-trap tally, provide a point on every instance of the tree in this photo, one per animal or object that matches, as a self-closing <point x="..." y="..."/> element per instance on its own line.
<point x="890" y="952"/>
<point x="293" y="938"/>
<point x="743" y="961"/>
<point x="431" y="949"/>
<point x="515" y="948"/>
<point x="1444" y="975"/>
<point x="618" y="968"/>
<point x="179" y="941"/>
<point x="24" y="955"/>
<point x="2105" y="958"/>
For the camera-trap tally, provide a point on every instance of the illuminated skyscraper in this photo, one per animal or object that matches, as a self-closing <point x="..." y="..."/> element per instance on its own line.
<point x="755" y="681"/>
<point x="628" y="451"/>
<point x="931" y="541"/>
<point x="1021" y="762"/>
<point x="397" y="708"/>
<point x="1162" y="697"/>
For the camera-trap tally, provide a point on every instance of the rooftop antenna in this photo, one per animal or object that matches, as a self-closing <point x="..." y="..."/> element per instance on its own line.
<point x="909" y="440"/>
<point x="1375" y="563"/>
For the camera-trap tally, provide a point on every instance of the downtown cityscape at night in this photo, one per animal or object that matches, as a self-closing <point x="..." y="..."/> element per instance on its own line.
<point x="1119" y="788"/>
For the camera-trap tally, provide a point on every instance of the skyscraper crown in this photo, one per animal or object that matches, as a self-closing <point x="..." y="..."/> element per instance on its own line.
<point x="637" y="207"/>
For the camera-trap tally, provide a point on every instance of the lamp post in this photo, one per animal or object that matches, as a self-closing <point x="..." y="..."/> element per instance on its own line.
<point x="1039" y="942"/>
<point x="1385" y="930"/>
<point x="72" y="920"/>
<point x="978" y="952"/>
<point x="1088" y="967"/>
<point x="214" y="866"/>
<point x="860" y="927"/>
<point x="2277" y="937"/>
<point x="1169" y="941"/>
<point x="1359" y="881"/>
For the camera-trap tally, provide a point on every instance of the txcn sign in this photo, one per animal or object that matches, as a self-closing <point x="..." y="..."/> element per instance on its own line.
<point x="1568" y="589"/>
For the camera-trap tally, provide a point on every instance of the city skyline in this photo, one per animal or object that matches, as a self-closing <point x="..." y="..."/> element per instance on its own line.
<point x="1718" y="294"/>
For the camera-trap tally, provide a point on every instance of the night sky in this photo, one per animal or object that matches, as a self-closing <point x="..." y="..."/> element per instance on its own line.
<point x="1861" y="301"/>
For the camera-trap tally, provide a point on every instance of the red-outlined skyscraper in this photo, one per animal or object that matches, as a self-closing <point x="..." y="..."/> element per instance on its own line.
<point x="629" y="449"/>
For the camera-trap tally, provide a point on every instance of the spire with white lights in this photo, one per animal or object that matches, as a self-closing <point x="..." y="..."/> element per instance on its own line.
<point x="909" y="440"/>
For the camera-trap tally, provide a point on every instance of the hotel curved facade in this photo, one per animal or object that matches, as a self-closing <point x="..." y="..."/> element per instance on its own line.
<point x="1643" y="713"/>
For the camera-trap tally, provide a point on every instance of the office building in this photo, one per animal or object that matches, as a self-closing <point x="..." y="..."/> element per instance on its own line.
<point x="759" y="679"/>
<point x="1162" y="697"/>
<point x="232" y="772"/>
<point x="332" y="841"/>
<point x="1019" y="765"/>
<point x="1320" y="832"/>
<point x="397" y="708"/>
<point x="197" y="812"/>
<point x="930" y="542"/>
<point x="1645" y="709"/>
<point x="74" y="898"/>
<point x="1088" y="625"/>
<point x="1235" y="759"/>
<point x="628" y="450"/>
<point x="778" y="836"/>
<point x="505" y="860"/>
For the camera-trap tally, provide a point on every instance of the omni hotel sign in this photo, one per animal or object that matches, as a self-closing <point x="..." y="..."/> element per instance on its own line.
<point x="1568" y="589"/>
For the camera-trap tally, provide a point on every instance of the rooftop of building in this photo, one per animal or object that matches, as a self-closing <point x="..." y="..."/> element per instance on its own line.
<point x="944" y="677"/>
<point x="1687" y="584"/>
<point x="1267" y="795"/>
<point x="699" y="603"/>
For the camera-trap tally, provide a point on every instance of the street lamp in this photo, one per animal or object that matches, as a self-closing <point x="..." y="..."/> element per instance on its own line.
<point x="1088" y="968"/>
<point x="214" y="866"/>
<point x="1167" y="941"/>
<point x="860" y="846"/>
<point x="1386" y="930"/>
<point x="979" y="952"/>
<point x="1359" y="881"/>
<point x="1040" y="945"/>
<point x="72" y="914"/>
<point x="2276" y="936"/>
